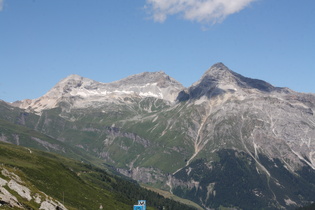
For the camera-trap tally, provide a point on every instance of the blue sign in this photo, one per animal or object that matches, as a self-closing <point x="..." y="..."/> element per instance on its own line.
<point x="142" y="203"/>
<point x="138" y="207"/>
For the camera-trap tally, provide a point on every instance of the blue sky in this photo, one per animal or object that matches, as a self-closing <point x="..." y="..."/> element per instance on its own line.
<point x="42" y="42"/>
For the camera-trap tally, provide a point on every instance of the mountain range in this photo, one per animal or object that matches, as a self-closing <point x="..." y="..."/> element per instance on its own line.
<point x="225" y="141"/>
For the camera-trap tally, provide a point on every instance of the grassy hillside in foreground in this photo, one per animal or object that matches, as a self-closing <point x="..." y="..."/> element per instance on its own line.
<point x="77" y="185"/>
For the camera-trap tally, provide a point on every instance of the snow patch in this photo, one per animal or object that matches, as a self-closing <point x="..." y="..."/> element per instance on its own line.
<point x="150" y="94"/>
<point x="123" y="92"/>
<point x="227" y="87"/>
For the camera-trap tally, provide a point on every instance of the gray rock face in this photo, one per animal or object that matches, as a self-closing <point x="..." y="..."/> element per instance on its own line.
<point x="81" y="92"/>
<point x="219" y="80"/>
<point x="235" y="112"/>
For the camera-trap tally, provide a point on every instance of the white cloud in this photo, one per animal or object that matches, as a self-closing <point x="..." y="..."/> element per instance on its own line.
<point x="1" y="4"/>
<point x="204" y="11"/>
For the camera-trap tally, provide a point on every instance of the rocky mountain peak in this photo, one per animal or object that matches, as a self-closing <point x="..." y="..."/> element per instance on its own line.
<point x="220" y="79"/>
<point x="75" y="81"/>
<point x="219" y="74"/>
<point x="218" y="69"/>
<point x="159" y="78"/>
<point x="83" y="92"/>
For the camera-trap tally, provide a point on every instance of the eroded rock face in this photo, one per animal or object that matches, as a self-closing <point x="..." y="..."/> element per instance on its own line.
<point x="144" y="175"/>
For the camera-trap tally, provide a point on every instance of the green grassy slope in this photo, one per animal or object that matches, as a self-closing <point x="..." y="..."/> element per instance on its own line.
<point x="78" y="185"/>
<point x="23" y="136"/>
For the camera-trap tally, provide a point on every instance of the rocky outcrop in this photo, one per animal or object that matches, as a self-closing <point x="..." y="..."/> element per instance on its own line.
<point x="15" y="183"/>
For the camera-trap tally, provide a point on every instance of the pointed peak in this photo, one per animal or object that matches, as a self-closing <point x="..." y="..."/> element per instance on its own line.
<point x="219" y="79"/>
<point x="221" y="74"/>
<point x="71" y="79"/>
<point x="218" y="72"/>
<point x="219" y="66"/>
<point x="74" y="78"/>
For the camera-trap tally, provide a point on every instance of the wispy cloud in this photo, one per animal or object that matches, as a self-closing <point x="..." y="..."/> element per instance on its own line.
<point x="204" y="11"/>
<point x="1" y="5"/>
